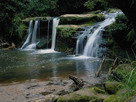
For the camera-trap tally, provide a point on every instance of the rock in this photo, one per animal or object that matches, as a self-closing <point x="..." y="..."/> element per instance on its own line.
<point x="48" y="98"/>
<point x="132" y="99"/>
<point x="113" y="98"/>
<point x="84" y="95"/>
<point x="61" y="92"/>
<point x="98" y="90"/>
<point x="112" y="86"/>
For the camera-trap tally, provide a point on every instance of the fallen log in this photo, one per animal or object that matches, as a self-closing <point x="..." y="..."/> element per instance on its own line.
<point x="100" y="68"/>
<point x="112" y="67"/>
<point x="78" y="82"/>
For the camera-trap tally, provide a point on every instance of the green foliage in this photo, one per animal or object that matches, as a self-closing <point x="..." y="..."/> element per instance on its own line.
<point x="71" y="6"/>
<point x="126" y="74"/>
<point x="66" y="32"/>
<point x="96" y="4"/>
<point x="118" y="31"/>
<point x="131" y="36"/>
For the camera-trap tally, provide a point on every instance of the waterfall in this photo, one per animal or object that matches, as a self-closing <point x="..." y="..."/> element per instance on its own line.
<point x="33" y="38"/>
<point x="55" y="24"/>
<point x="33" y="32"/>
<point x="88" y="43"/>
<point x="30" y="31"/>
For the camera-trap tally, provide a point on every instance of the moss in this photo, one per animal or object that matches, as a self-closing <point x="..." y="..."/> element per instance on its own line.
<point x="65" y="42"/>
<point x="65" y="31"/>
<point x="83" y="95"/>
<point x="22" y="30"/>
<point x="80" y="20"/>
<point x="77" y="98"/>
<point x="98" y="90"/>
<point x="26" y="20"/>
<point x="113" y="98"/>
<point x="112" y="86"/>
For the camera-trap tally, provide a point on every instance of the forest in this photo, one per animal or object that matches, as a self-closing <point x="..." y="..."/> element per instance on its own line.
<point x="68" y="50"/>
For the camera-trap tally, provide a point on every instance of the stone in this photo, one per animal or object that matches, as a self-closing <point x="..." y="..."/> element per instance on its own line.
<point x="83" y="95"/>
<point x="113" y="98"/>
<point x="112" y="86"/>
<point x="98" y="90"/>
<point x="48" y="98"/>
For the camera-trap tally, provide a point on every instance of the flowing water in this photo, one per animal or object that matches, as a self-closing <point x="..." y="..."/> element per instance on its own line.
<point x="34" y="34"/>
<point x="88" y="43"/>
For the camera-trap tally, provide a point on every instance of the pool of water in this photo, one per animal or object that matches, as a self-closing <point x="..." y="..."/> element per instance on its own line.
<point x="17" y="65"/>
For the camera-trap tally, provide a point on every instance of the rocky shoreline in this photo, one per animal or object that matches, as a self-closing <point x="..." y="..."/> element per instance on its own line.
<point x="113" y="88"/>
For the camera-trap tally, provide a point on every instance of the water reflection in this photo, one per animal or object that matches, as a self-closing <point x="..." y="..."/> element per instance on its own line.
<point x="21" y="65"/>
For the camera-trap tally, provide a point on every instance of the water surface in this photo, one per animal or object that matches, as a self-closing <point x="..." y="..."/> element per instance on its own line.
<point x="16" y="65"/>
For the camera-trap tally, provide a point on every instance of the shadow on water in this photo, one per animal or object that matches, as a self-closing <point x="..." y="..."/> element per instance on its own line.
<point x="18" y="65"/>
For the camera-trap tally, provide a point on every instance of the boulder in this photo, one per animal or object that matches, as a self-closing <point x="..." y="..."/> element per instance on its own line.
<point x="113" y="98"/>
<point x="112" y="86"/>
<point x="84" y="95"/>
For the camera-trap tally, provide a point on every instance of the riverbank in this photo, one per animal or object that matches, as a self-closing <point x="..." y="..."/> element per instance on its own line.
<point x="33" y="90"/>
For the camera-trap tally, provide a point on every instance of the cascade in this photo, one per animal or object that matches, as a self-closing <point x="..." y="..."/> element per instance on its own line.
<point x="30" y="31"/>
<point x="33" y="32"/>
<point x="33" y="38"/>
<point x="88" y="43"/>
<point x="55" y="24"/>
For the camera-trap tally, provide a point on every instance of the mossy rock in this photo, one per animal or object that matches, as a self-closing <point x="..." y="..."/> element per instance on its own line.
<point x="76" y="98"/>
<point x="112" y="86"/>
<point x="65" y="31"/>
<point x="26" y="20"/>
<point x="113" y="98"/>
<point x="83" y="95"/>
<point x="80" y="19"/>
<point x="98" y="90"/>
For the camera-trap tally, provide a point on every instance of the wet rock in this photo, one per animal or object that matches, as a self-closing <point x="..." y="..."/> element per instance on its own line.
<point x="112" y="86"/>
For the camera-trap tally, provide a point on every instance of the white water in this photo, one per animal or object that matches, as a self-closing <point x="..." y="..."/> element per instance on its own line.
<point x="55" y="24"/>
<point x="94" y="37"/>
<point x="31" y="40"/>
<point x="30" y="31"/>
<point x="33" y="32"/>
